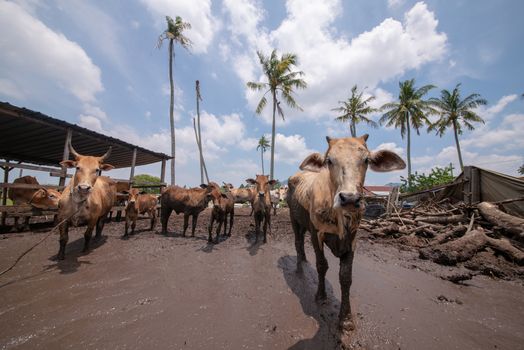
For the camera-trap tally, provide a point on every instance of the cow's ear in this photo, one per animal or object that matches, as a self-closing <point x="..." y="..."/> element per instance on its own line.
<point x="364" y="137"/>
<point x="125" y="192"/>
<point x="224" y="195"/>
<point x="142" y="192"/>
<point x="251" y="181"/>
<point x="68" y="163"/>
<point x="272" y="182"/>
<point x="314" y="162"/>
<point x="204" y="186"/>
<point x="383" y="161"/>
<point x="106" y="167"/>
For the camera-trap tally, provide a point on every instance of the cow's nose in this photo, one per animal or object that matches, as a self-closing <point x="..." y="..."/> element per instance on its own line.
<point x="261" y="194"/>
<point x="84" y="188"/>
<point x="350" y="198"/>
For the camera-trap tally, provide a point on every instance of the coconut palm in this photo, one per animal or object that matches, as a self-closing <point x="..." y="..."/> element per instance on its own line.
<point x="409" y="111"/>
<point x="281" y="81"/>
<point x="263" y="145"/>
<point x="173" y="34"/>
<point x="456" y="113"/>
<point x="354" y="111"/>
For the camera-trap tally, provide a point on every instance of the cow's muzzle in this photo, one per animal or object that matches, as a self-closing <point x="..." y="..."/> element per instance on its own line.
<point x="261" y="194"/>
<point x="83" y="189"/>
<point x="349" y="200"/>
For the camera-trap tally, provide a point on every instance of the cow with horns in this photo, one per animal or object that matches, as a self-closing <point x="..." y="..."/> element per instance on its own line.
<point x="87" y="198"/>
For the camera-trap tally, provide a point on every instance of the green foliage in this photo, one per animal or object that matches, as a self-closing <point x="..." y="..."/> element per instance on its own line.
<point x="437" y="176"/>
<point x="145" y="179"/>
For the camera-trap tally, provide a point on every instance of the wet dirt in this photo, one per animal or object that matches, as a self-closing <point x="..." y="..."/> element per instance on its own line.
<point x="157" y="292"/>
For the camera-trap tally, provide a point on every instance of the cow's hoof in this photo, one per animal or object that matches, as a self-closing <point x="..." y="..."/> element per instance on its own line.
<point x="347" y="325"/>
<point x="60" y="256"/>
<point x="321" y="297"/>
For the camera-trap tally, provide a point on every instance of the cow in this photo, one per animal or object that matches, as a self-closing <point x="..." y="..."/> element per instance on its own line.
<point x="139" y="202"/>
<point x="326" y="199"/>
<point x="241" y="195"/>
<point x="223" y="205"/>
<point x="86" y="199"/>
<point x="190" y="201"/>
<point x="41" y="198"/>
<point x="261" y="203"/>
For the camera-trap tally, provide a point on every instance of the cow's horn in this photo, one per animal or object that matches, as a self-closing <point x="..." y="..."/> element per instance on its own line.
<point x="106" y="155"/>
<point x="73" y="152"/>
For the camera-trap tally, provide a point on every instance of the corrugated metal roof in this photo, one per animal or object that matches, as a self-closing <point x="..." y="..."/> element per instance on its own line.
<point x="32" y="137"/>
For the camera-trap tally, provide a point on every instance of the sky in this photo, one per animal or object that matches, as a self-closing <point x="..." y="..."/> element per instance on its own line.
<point x="96" y="64"/>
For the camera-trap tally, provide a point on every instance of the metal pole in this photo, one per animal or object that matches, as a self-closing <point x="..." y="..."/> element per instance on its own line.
<point x="69" y="136"/>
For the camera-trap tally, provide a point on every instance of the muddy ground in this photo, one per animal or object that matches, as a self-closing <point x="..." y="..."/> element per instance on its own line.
<point x="156" y="292"/>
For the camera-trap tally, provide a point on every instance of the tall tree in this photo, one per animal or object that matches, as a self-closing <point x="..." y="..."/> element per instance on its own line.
<point x="281" y="81"/>
<point x="410" y="111"/>
<point x="263" y="145"/>
<point x="456" y="113"/>
<point x="173" y="34"/>
<point x="354" y="110"/>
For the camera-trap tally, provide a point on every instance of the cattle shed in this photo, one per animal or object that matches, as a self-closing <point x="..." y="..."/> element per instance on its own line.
<point x="35" y="141"/>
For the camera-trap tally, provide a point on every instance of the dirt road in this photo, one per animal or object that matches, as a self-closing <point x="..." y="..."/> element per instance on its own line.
<point x="156" y="292"/>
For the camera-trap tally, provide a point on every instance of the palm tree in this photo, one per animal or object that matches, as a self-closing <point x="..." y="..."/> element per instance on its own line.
<point x="280" y="84"/>
<point x="354" y="111"/>
<point x="408" y="112"/>
<point x="263" y="145"/>
<point x="456" y="113"/>
<point x="174" y="34"/>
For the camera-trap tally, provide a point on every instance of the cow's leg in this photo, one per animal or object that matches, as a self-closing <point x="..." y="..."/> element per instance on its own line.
<point x="100" y="226"/>
<point x="322" y="266"/>
<point x="152" y="215"/>
<point x="193" y="223"/>
<point x="275" y="209"/>
<point x="252" y="210"/>
<point x="225" y="223"/>
<point x="186" y="224"/>
<point x="133" y="224"/>
<point x="87" y="235"/>
<point x="231" y="216"/>
<point x="127" y="226"/>
<point x="266" y="223"/>
<point x="345" y="277"/>
<point x="165" y="212"/>
<point x="299" y="244"/>
<point x="210" y="229"/>
<point x="257" y="227"/>
<point x="219" y="227"/>
<point x="64" y="237"/>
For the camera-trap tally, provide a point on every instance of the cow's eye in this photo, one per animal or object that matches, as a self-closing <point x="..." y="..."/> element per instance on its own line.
<point x="97" y="170"/>
<point x="77" y="168"/>
<point x="366" y="160"/>
<point x="329" y="161"/>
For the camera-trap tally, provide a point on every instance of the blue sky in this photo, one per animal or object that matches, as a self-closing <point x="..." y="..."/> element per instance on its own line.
<point x="94" y="63"/>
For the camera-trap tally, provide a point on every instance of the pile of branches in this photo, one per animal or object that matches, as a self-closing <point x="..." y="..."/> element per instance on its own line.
<point x="449" y="234"/>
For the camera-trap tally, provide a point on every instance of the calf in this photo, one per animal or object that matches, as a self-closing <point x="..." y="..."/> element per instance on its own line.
<point x="188" y="201"/>
<point x="275" y="199"/>
<point x="139" y="203"/>
<point x="86" y="199"/>
<point x="241" y="195"/>
<point x="261" y="203"/>
<point x="41" y="198"/>
<point x="326" y="200"/>
<point x="223" y="205"/>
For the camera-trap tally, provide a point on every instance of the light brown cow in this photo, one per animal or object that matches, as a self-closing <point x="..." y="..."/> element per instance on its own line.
<point x="87" y="198"/>
<point x="326" y="200"/>
<point x="241" y="195"/>
<point x="261" y="203"/>
<point x="190" y="201"/>
<point x="223" y="205"/>
<point x="41" y="198"/>
<point x="139" y="203"/>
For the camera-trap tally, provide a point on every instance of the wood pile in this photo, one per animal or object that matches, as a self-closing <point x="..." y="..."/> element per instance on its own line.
<point x="453" y="233"/>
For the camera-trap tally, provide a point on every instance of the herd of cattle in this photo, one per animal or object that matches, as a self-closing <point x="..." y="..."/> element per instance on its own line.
<point x="324" y="198"/>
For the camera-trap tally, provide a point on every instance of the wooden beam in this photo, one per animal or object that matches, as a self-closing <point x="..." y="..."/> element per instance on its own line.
<point x="30" y="167"/>
<point x="5" y="186"/>
<point x="4" y="190"/>
<point x="133" y="162"/>
<point x="69" y="135"/>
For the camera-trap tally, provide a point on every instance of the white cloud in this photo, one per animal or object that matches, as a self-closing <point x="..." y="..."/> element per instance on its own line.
<point x="198" y="13"/>
<point x="331" y="62"/>
<point x="51" y="61"/>
<point x="135" y="24"/>
<point x="506" y="136"/>
<point x="91" y="123"/>
<point x="291" y="149"/>
<point x="147" y="115"/>
<point x="395" y="3"/>
<point x="391" y="146"/>
<point x="11" y="89"/>
<point x="487" y="113"/>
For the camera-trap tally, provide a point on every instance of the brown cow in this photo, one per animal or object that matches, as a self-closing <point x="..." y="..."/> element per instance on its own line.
<point x="86" y="199"/>
<point x="261" y="203"/>
<point x="223" y="205"/>
<point x="241" y="195"/>
<point x="139" y="203"/>
<point x="188" y="201"/>
<point x="326" y="200"/>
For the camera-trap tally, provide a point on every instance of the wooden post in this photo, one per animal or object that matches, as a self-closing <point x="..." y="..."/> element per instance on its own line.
<point x="69" y="136"/>
<point x="467" y="185"/>
<point x="4" y="190"/>
<point x="133" y="162"/>
<point x="163" y="173"/>
<point x="475" y="185"/>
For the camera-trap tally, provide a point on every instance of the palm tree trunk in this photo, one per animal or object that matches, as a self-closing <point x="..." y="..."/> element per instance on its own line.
<point x="171" y="106"/>
<point x="353" y="129"/>
<point x="262" y="159"/>
<point x="199" y="138"/>
<point x="458" y="145"/>
<point x="272" y="166"/>
<point x="409" y="149"/>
